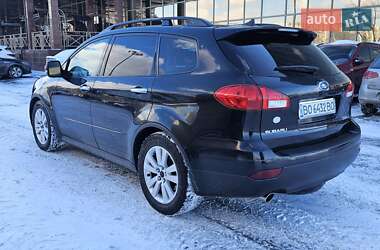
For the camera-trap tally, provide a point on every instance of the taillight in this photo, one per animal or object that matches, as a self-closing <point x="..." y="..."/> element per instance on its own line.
<point x="243" y="97"/>
<point x="350" y="89"/>
<point x="251" y="97"/>
<point x="370" y="75"/>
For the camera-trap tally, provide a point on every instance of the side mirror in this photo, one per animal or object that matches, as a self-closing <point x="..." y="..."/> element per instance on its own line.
<point x="357" y="62"/>
<point x="54" y="69"/>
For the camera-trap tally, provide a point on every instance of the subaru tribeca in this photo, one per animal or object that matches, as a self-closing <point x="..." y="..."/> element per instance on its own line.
<point x="201" y="110"/>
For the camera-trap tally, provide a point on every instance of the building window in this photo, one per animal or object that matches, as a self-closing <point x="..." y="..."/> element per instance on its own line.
<point x="253" y="9"/>
<point x="273" y="7"/>
<point x="205" y="9"/>
<point x="191" y="8"/>
<point x="295" y="6"/>
<point x="221" y="10"/>
<point x="236" y="10"/>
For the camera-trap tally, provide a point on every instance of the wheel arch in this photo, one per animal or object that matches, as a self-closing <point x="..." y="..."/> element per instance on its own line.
<point x="149" y="129"/>
<point x="37" y="98"/>
<point x="33" y="101"/>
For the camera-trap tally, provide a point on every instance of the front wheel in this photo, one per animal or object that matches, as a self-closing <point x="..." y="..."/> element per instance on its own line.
<point x="15" y="72"/>
<point x="44" y="131"/>
<point x="164" y="176"/>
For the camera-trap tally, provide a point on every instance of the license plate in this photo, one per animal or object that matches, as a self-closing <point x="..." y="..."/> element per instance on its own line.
<point x="310" y="109"/>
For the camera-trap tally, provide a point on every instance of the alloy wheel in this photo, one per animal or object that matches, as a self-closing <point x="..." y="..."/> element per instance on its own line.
<point x="161" y="174"/>
<point x="16" y="72"/>
<point x="41" y="126"/>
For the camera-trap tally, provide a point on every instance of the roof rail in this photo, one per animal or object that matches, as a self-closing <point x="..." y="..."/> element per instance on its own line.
<point x="164" y="21"/>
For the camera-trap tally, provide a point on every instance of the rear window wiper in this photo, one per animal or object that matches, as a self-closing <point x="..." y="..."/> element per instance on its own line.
<point x="298" y="68"/>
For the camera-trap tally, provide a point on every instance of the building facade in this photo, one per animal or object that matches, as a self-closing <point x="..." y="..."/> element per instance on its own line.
<point x="74" y="18"/>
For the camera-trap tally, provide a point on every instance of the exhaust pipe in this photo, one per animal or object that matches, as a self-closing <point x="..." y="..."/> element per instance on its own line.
<point x="268" y="197"/>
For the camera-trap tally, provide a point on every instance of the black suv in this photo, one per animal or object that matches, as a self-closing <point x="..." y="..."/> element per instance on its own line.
<point x="202" y="110"/>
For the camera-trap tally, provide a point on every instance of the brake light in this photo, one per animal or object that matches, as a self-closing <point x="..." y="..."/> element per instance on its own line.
<point x="370" y="75"/>
<point x="350" y="89"/>
<point x="242" y="96"/>
<point x="251" y="97"/>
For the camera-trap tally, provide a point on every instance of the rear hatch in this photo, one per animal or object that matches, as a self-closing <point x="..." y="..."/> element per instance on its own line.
<point x="308" y="98"/>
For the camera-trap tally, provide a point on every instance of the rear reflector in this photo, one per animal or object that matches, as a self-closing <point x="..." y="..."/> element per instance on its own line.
<point x="350" y="89"/>
<point x="266" y="174"/>
<point x="370" y="75"/>
<point x="251" y="97"/>
<point x="273" y="99"/>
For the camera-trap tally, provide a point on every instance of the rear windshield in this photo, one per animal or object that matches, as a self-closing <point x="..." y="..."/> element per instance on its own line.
<point x="265" y="59"/>
<point x="338" y="52"/>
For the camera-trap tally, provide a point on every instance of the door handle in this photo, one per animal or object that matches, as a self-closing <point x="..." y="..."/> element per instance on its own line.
<point x="85" y="88"/>
<point x="139" y="90"/>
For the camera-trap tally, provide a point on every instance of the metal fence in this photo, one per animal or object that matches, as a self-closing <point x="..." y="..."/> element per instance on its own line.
<point x="15" y="41"/>
<point x="41" y="40"/>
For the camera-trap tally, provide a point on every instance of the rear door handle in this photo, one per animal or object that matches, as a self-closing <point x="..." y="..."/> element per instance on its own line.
<point x="85" y="88"/>
<point x="139" y="90"/>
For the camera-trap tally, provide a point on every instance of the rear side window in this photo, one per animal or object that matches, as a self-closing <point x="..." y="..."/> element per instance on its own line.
<point x="376" y="63"/>
<point x="177" y="55"/>
<point x="339" y="52"/>
<point x="264" y="59"/>
<point x="132" y="55"/>
<point x="364" y="53"/>
<point x="375" y="52"/>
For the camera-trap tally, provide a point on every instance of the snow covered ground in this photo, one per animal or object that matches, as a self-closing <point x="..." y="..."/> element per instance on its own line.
<point x="72" y="200"/>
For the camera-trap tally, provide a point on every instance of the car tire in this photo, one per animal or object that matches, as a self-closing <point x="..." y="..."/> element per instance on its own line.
<point x="368" y="109"/>
<point x="44" y="131"/>
<point x="15" y="72"/>
<point x="164" y="176"/>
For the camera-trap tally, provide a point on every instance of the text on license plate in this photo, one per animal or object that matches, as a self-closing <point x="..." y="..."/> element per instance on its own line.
<point x="317" y="108"/>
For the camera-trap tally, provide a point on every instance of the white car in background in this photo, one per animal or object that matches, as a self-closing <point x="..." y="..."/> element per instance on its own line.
<point x="61" y="56"/>
<point x="6" y="53"/>
<point x="369" y="93"/>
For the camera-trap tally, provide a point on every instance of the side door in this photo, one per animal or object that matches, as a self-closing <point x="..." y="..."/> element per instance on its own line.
<point x="71" y="97"/>
<point x="123" y="92"/>
<point x="363" y="55"/>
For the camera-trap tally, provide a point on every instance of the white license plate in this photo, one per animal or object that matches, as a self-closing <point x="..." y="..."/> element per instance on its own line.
<point x="310" y="109"/>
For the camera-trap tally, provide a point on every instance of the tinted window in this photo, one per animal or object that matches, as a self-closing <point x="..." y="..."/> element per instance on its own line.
<point x="132" y="56"/>
<point x="177" y="55"/>
<point x="364" y="53"/>
<point x="88" y="60"/>
<point x="264" y="59"/>
<point x="339" y="54"/>
<point x="376" y="63"/>
<point x="375" y="51"/>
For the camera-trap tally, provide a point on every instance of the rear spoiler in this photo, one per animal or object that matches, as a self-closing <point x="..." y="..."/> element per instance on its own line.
<point x="264" y="34"/>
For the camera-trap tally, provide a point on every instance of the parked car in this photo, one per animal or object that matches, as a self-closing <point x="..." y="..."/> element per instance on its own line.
<point x="202" y="110"/>
<point x="14" y="68"/>
<point x="369" y="94"/>
<point x="5" y="52"/>
<point x="352" y="58"/>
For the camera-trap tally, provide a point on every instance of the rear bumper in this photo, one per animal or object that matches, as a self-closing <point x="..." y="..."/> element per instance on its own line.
<point x="227" y="173"/>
